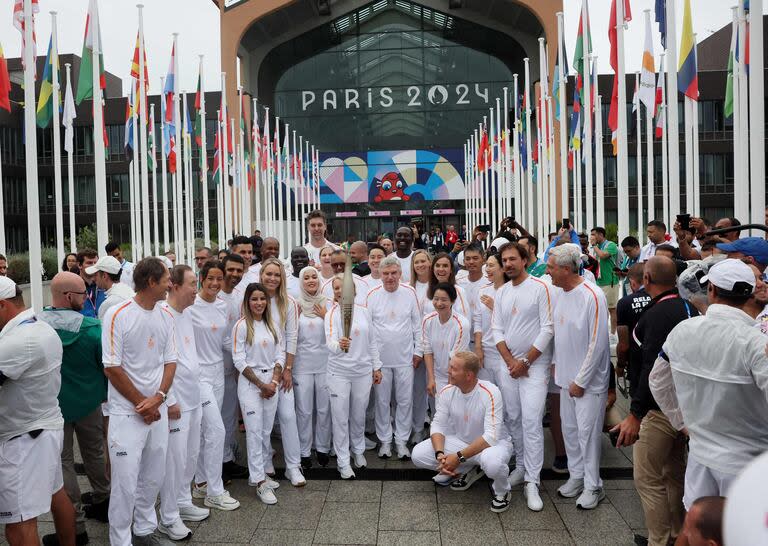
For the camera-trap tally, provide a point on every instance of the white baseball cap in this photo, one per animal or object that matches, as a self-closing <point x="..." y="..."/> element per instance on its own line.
<point x="7" y="288"/>
<point x="731" y="275"/>
<point x="107" y="264"/>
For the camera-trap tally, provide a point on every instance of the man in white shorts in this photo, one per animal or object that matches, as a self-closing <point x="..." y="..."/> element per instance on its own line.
<point x="139" y="356"/>
<point x="31" y="424"/>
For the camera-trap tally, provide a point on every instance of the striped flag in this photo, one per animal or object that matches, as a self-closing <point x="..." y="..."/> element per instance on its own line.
<point x="647" y="92"/>
<point x="5" y="83"/>
<point x="85" y="77"/>
<point x="688" y="79"/>
<point x="661" y="19"/>
<point x="18" y="22"/>
<point x="660" y="110"/>
<point x="728" y="109"/>
<point x="613" y="113"/>
<point x="45" y="106"/>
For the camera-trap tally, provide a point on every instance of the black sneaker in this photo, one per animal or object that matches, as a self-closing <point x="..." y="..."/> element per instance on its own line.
<point x="500" y="504"/>
<point x="466" y="480"/>
<point x="53" y="540"/>
<point x="560" y="465"/>
<point x="99" y="512"/>
<point x="234" y="471"/>
<point x="323" y="458"/>
<point x="306" y="463"/>
<point x="640" y="540"/>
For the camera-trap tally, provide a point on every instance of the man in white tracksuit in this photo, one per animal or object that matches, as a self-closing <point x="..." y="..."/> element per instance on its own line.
<point x="468" y="430"/>
<point x="139" y="358"/>
<point x="522" y="328"/>
<point x="581" y="358"/>
<point x="396" y="317"/>
<point x="184" y="413"/>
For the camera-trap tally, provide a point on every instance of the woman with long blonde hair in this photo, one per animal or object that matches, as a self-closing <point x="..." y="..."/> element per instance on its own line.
<point x="421" y="271"/>
<point x="259" y="356"/>
<point x="284" y="312"/>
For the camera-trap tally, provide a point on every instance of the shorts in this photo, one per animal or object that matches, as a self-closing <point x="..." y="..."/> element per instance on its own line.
<point x="611" y="295"/>
<point x="30" y="473"/>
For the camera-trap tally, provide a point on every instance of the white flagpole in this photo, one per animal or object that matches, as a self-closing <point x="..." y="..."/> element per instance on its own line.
<point x="516" y="155"/>
<point x="245" y="191"/>
<point x="551" y="158"/>
<point x="237" y="179"/>
<point x="491" y="194"/>
<point x="599" y="162"/>
<point x="225" y="161"/>
<point x="178" y="177"/>
<point x="639" y="139"/>
<point x="153" y="153"/>
<point x="68" y="145"/>
<point x="741" y="139"/>
<point x="188" y="184"/>
<point x="288" y="208"/>
<point x="651" y="208"/>
<point x="475" y="183"/>
<point x="204" y="162"/>
<point x="142" y="148"/>
<point x="542" y="197"/>
<point x="622" y="175"/>
<point x="665" y="174"/>
<point x="278" y="161"/>
<point x="164" y="175"/>
<point x="695" y="143"/>
<point x="541" y="175"/>
<point x="296" y="178"/>
<point x="100" y="170"/>
<point x="577" y="191"/>
<point x="220" y="229"/>
<point x="302" y="181"/>
<point x="257" y="175"/>
<point x="466" y="186"/>
<point x="672" y="132"/>
<point x="486" y="218"/>
<point x="757" y="113"/>
<point x="564" y="204"/>
<point x="499" y="193"/>
<point x="508" y="195"/>
<point x="57" y="142"/>
<point x="688" y="120"/>
<point x="586" y="147"/>
<point x="269" y="209"/>
<point x="132" y="205"/>
<point x="135" y="206"/>
<point x="529" y="160"/>
<point x="316" y="174"/>
<point x="740" y="190"/>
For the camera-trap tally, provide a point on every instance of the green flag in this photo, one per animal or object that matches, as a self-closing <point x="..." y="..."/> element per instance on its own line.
<point x="45" y="102"/>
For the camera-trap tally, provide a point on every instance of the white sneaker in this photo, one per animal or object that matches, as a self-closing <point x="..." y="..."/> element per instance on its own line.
<point x="332" y="452"/>
<point x="199" y="491"/>
<point x="296" y="477"/>
<point x="517" y="476"/>
<point x="272" y="484"/>
<point x="403" y="453"/>
<point x="222" y="502"/>
<point x="346" y="472"/>
<point x="175" y="531"/>
<point x="531" y="494"/>
<point x="385" y="451"/>
<point x="266" y="494"/>
<point x="359" y="460"/>
<point x="443" y="479"/>
<point x="193" y="513"/>
<point x="590" y="498"/>
<point x="572" y="488"/>
<point x="370" y="445"/>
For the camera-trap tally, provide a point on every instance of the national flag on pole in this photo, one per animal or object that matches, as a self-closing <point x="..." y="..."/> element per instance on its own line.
<point x="170" y="89"/>
<point x="129" y="145"/>
<point x="660" y="111"/>
<point x="613" y="114"/>
<point x="687" y="75"/>
<point x="647" y="90"/>
<point x="523" y="142"/>
<point x="18" y="22"/>
<point x="45" y="102"/>
<point x="151" y="143"/>
<point x="216" y="159"/>
<point x="85" y="77"/>
<point x="728" y="110"/>
<point x="5" y="83"/>
<point x="68" y="118"/>
<point x="661" y="19"/>
<point x="482" y="153"/>
<point x="135" y="69"/>
<point x="199" y="124"/>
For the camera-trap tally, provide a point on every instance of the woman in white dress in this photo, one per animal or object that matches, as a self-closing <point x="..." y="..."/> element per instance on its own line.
<point x="259" y="356"/>
<point x="313" y="407"/>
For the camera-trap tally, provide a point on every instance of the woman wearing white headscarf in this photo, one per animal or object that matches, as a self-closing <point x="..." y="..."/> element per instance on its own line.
<point x="309" y="371"/>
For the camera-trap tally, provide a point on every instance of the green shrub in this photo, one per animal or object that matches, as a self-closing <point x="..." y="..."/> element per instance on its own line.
<point x="18" y="265"/>
<point x="86" y="238"/>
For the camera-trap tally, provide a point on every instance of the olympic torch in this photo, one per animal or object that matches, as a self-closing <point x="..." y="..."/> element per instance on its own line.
<point x="347" y="300"/>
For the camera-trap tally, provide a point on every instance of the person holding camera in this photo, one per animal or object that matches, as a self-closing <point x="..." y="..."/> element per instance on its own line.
<point x="606" y="253"/>
<point x="659" y="453"/>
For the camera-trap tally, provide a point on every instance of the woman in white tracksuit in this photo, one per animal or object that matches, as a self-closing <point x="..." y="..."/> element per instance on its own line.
<point x="421" y="271"/>
<point x="309" y="371"/>
<point x="349" y="379"/>
<point x="444" y="270"/>
<point x="324" y="267"/>
<point x="209" y="315"/>
<point x="259" y="356"/>
<point x="485" y="346"/>
<point x="285" y="316"/>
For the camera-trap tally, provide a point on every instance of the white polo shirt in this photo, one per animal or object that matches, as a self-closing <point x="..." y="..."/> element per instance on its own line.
<point x="186" y="381"/>
<point x="443" y="340"/>
<point x="262" y="353"/>
<point x="211" y="322"/>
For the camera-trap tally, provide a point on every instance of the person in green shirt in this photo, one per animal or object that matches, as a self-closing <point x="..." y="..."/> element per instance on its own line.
<point x="607" y="279"/>
<point x="83" y="389"/>
<point x="535" y="267"/>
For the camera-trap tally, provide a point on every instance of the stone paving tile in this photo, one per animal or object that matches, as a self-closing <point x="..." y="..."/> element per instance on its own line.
<point x="312" y="485"/>
<point x="294" y="511"/>
<point x="519" y="517"/>
<point x="409" y="538"/>
<point x="237" y="526"/>
<point x="480" y="492"/>
<point x="469" y="524"/>
<point x="409" y="511"/>
<point x="397" y="487"/>
<point x="283" y="536"/>
<point x="603" y="525"/>
<point x="538" y="538"/>
<point x="348" y="523"/>
<point x="354" y="491"/>
<point x="629" y="507"/>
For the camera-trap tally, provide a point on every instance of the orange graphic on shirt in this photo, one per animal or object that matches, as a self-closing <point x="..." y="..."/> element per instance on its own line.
<point x="151" y="342"/>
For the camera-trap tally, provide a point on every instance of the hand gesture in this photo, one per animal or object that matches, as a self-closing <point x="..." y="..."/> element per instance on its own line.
<point x="377" y="377"/>
<point x="320" y="310"/>
<point x="268" y="390"/>
<point x="344" y="343"/>
<point x="487" y="301"/>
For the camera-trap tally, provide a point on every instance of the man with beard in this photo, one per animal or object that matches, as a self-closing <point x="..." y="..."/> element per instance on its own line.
<point x="270" y="248"/>
<point x="359" y="254"/>
<point x="404" y="251"/>
<point x="299" y="260"/>
<point x="339" y="264"/>
<point x="93" y="295"/>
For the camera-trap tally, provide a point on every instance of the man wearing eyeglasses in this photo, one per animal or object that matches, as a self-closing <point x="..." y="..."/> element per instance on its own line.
<point x="106" y="275"/>
<point x="83" y="389"/>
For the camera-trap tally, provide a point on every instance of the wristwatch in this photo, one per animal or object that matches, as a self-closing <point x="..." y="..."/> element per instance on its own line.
<point x="438" y="453"/>
<point x="526" y="362"/>
<point x="462" y="458"/>
<point x="162" y="395"/>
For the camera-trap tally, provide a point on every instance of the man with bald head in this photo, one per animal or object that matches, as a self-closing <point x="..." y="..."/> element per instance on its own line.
<point x="83" y="389"/>
<point x="358" y="251"/>
<point x="659" y="452"/>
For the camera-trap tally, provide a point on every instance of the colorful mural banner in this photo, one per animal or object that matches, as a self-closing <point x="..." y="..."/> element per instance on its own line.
<point x="397" y="176"/>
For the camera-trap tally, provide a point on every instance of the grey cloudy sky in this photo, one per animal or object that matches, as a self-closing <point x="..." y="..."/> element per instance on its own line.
<point x="197" y="22"/>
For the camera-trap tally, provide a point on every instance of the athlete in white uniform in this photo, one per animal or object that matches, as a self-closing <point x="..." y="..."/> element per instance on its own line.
<point x="184" y="416"/>
<point x="324" y="267"/>
<point x="375" y="255"/>
<point x="471" y="279"/>
<point x="421" y="271"/>
<point x="285" y="316"/>
<point x="443" y="333"/>
<point x="522" y="330"/>
<point x="316" y="228"/>
<point x="353" y="364"/>
<point x="581" y="358"/>
<point x="468" y="430"/>
<point x="396" y="318"/>
<point x="309" y="371"/>
<point x="259" y="355"/>
<point x="443" y="270"/>
<point x="139" y="357"/>
<point x="299" y="260"/>
<point x="339" y="264"/>
<point x="210" y="316"/>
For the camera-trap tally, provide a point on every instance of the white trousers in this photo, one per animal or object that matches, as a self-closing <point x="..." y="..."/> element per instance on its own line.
<point x="582" y="423"/>
<point x="524" y="401"/>
<point x="229" y="408"/>
<point x="420" y="402"/>
<point x="289" y="430"/>
<point x="180" y="463"/>
<point x="702" y="481"/>
<point x="349" y="398"/>
<point x="493" y="460"/>
<point x="212" y="432"/>
<point x="313" y="411"/>
<point x="399" y="380"/>
<point x="137" y="454"/>
<point x="259" y="418"/>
